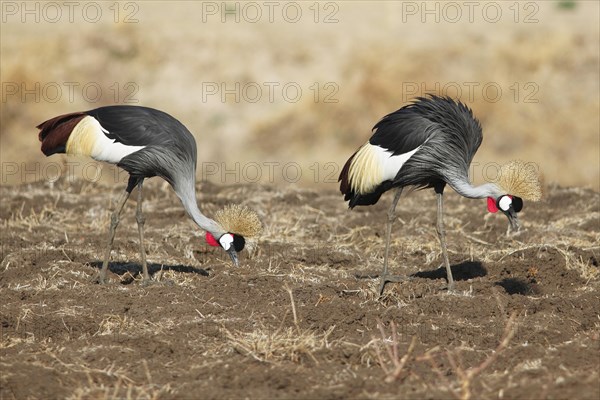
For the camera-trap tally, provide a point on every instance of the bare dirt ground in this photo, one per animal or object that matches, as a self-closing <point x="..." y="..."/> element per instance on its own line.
<point x="300" y="318"/>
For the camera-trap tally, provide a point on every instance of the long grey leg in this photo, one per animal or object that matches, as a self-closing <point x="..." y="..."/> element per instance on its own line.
<point x="140" y="222"/>
<point x="388" y="234"/>
<point x="114" y="222"/>
<point x="441" y="231"/>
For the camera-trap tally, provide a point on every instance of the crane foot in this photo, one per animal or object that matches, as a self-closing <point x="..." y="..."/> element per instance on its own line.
<point x="146" y="282"/>
<point x="99" y="279"/>
<point x="392" y="278"/>
<point x="451" y="287"/>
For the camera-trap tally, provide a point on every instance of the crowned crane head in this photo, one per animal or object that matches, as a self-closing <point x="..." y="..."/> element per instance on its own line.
<point x="242" y="227"/>
<point x="517" y="181"/>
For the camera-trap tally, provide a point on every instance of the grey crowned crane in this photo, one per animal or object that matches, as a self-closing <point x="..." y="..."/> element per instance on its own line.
<point x="145" y="142"/>
<point x="428" y="144"/>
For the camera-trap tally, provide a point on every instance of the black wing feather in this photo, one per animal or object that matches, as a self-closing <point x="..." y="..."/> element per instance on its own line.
<point x="448" y="132"/>
<point x="447" y="154"/>
<point x="402" y="131"/>
<point x="137" y="126"/>
<point x="170" y="148"/>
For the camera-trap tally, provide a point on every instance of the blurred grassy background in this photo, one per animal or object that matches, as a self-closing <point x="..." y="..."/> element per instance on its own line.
<point x="370" y="59"/>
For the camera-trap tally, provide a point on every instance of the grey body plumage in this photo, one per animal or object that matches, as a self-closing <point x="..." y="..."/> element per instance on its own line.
<point x="429" y="143"/>
<point x="169" y="147"/>
<point x="448" y="134"/>
<point x="453" y="137"/>
<point x="145" y="142"/>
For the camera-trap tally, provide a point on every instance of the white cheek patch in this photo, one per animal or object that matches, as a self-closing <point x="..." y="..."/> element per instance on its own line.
<point x="505" y="203"/>
<point x="226" y="241"/>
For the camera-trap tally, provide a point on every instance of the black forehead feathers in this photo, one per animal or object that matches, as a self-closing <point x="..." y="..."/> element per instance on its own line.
<point x="517" y="203"/>
<point x="238" y="242"/>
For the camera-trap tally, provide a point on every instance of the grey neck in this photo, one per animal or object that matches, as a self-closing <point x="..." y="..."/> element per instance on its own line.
<point x="464" y="188"/>
<point x="187" y="194"/>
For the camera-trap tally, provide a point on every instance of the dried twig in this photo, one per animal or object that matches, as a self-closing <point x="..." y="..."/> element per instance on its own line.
<point x="287" y="288"/>
<point x="392" y="352"/>
<point x="466" y="376"/>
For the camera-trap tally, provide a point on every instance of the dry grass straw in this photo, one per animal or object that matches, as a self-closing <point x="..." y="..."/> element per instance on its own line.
<point x="294" y="313"/>
<point x="110" y="382"/>
<point x="587" y="271"/>
<point x="48" y="214"/>
<point x="266" y="345"/>
<point x="467" y="376"/>
<point x="397" y="366"/>
<point x="115" y="325"/>
<point x="398" y="363"/>
<point x="281" y="344"/>
<point x="121" y="390"/>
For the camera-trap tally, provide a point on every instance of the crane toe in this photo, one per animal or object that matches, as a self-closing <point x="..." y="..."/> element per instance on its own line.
<point x="99" y="279"/>
<point x="392" y="278"/>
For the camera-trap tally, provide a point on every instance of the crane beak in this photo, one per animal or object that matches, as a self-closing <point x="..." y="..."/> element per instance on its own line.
<point x="514" y="225"/>
<point x="233" y="254"/>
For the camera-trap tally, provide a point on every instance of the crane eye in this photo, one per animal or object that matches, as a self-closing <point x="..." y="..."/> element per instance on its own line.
<point x="504" y="203"/>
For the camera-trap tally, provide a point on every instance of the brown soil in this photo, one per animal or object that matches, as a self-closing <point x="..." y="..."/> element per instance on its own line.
<point x="204" y="329"/>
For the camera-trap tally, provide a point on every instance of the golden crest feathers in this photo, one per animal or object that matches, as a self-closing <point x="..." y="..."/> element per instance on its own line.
<point x="239" y="220"/>
<point x="520" y="179"/>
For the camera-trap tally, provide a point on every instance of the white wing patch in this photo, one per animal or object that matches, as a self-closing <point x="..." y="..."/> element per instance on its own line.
<point x="373" y="165"/>
<point x="88" y="139"/>
<point x="392" y="164"/>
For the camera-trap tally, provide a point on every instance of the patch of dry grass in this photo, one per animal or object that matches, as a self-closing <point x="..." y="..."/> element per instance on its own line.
<point x="398" y="365"/>
<point x="196" y="325"/>
<point x="283" y="344"/>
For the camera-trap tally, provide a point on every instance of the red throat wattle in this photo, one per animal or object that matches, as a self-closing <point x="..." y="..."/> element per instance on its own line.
<point x="492" y="205"/>
<point x="210" y="239"/>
